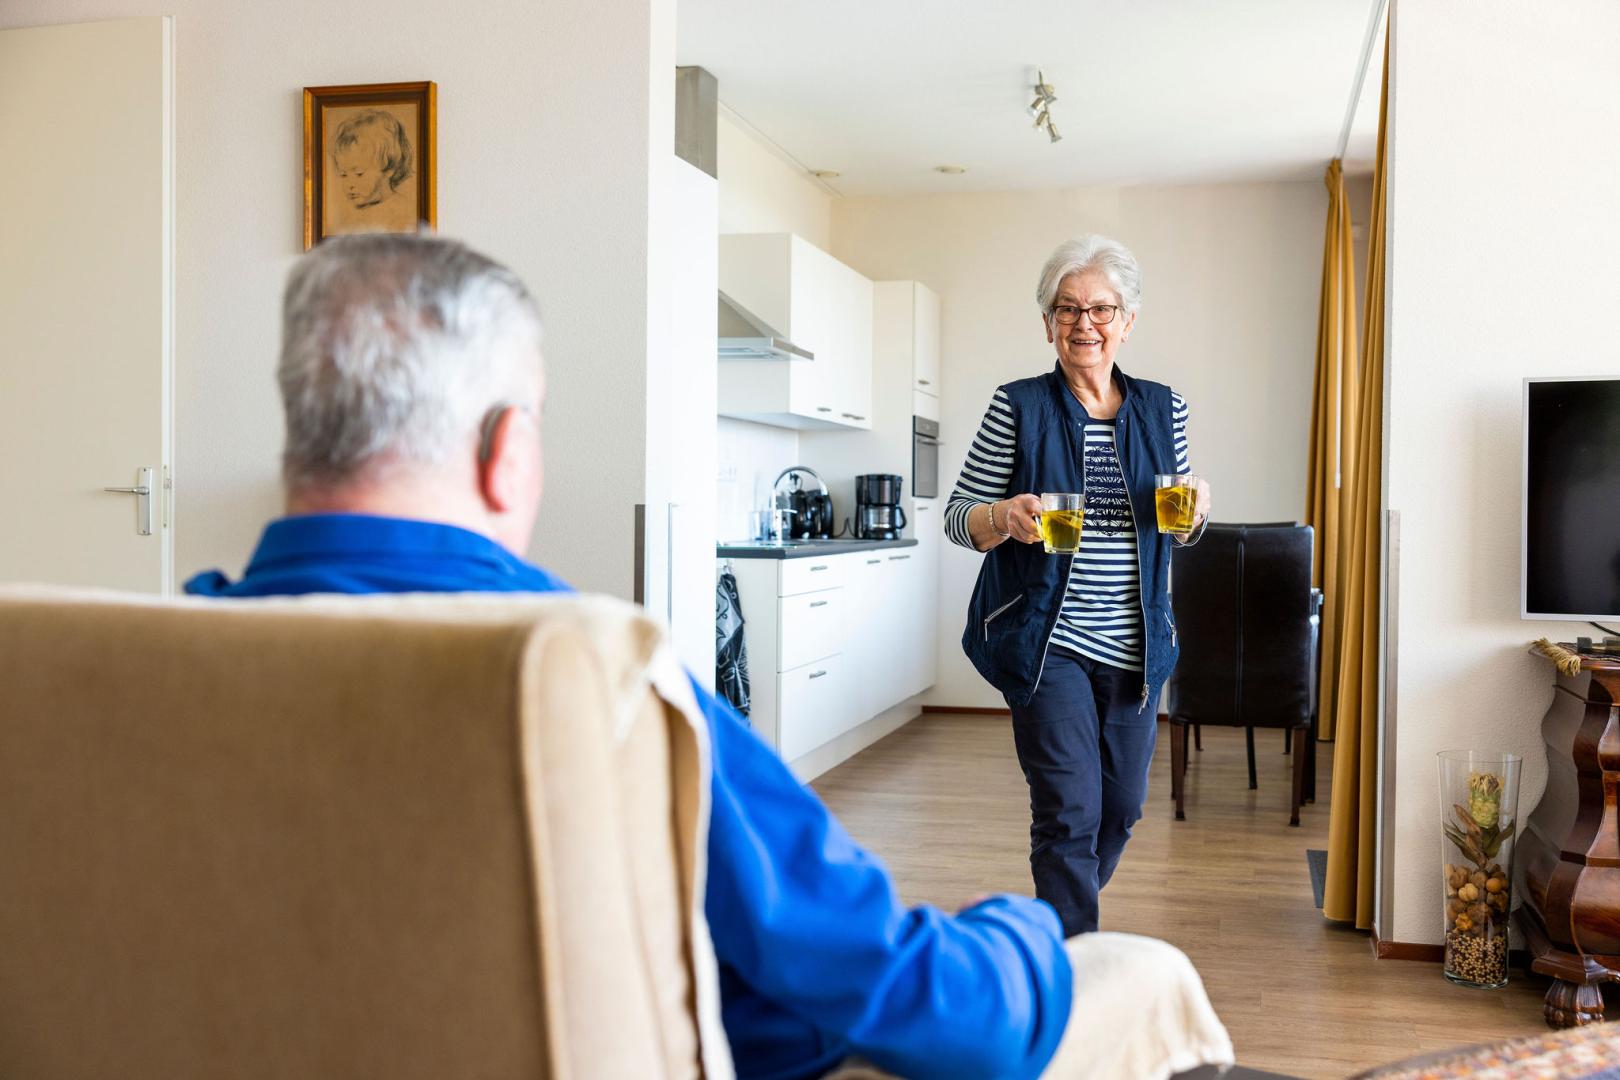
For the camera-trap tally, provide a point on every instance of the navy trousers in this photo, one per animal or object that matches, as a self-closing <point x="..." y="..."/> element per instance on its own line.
<point x="1085" y="742"/>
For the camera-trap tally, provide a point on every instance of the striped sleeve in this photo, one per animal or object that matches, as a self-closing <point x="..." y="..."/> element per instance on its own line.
<point x="1178" y="413"/>
<point x="987" y="472"/>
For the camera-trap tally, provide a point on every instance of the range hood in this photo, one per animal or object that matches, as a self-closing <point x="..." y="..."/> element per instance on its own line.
<point x="745" y="337"/>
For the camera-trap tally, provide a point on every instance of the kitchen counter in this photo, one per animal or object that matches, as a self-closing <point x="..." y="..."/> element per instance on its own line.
<point x="804" y="549"/>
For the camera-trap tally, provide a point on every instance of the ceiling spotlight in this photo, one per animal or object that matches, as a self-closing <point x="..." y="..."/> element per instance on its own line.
<point x="1045" y="95"/>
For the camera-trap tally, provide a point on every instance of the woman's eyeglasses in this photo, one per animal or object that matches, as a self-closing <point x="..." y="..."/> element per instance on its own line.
<point x="1069" y="314"/>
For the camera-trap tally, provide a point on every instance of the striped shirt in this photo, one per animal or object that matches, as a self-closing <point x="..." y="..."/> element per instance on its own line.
<point x="1101" y="616"/>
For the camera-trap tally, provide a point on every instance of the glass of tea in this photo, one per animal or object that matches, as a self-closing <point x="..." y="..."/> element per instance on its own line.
<point x="1175" y="498"/>
<point x="1061" y="515"/>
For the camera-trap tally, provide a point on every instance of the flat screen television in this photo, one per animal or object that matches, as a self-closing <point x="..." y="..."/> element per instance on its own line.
<point x="1570" y="554"/>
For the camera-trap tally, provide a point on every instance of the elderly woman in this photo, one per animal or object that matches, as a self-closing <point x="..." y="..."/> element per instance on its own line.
<point x="1078" y="645"/>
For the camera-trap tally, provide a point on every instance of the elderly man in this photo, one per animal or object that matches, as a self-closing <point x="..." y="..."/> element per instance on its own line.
<point x="411" y="378"/>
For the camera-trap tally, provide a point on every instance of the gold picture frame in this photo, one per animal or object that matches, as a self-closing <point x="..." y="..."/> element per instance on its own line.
<point x="370" y="159"/>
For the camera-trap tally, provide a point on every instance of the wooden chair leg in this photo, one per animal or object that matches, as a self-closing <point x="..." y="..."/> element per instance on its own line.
<point x="1248" y="737"/>
<point x="1299" y="773"/>
<point x="1178" y="768"/>
<point x="1198" y="737"/>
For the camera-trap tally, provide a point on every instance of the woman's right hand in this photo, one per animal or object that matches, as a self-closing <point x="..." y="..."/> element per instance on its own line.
<point x="1021" y="516"/>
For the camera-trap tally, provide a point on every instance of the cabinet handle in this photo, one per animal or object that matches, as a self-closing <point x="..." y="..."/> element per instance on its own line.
<point x="813" y="569"/>
<point x="852" y="416"/>
<point x="873" y="562"/>
<point x="818" y="603"/>
<point x="823" y="408"/>
<point x="924" y="382"/>
<point x="817" y="674"/>
<point x="897" y="558"/>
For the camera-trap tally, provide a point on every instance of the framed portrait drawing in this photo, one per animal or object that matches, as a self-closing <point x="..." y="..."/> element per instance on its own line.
<point x="369" y="159"/>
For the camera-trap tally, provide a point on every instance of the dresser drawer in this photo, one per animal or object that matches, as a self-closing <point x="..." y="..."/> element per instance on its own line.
<point x="808" y="575"/>
<point x="811" y="627"/>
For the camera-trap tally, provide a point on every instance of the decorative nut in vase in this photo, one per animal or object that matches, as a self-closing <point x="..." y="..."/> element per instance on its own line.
<point x="1479" y="794"/>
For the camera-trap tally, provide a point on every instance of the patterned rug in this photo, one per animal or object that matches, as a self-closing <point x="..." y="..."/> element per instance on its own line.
<point x="1583" y="1053"/>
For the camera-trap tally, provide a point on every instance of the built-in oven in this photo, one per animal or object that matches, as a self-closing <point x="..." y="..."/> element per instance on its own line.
<point x="924" y="457"/>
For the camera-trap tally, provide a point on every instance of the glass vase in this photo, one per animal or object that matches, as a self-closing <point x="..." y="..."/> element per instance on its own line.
<point x="1479" y="821"/>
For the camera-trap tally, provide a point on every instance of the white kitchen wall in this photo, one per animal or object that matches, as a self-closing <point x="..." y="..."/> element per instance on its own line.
<point x="1474" y="226"/>
<point x="1231" y="274"/>
<point x="547" y="112"/>
<point x="760" y="192"/>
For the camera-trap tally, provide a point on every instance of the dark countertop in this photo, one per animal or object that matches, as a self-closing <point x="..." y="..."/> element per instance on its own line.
<point x="804" y="549"/>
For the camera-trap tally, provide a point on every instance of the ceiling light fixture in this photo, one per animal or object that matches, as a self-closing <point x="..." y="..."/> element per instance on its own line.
<point x="825" y="174"/>
<point x="951" y="170"/>
<point x="1045" y="95"/>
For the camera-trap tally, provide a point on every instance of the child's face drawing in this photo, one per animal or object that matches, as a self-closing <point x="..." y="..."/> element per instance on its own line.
<point x="360" y="173"/>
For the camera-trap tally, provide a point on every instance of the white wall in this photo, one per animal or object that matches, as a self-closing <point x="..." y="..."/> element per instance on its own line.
<point x="760" y="192"/>
<point x="1502" y="191"/>
<point x="1230" y="281"/>
<point x="546" y="115"/>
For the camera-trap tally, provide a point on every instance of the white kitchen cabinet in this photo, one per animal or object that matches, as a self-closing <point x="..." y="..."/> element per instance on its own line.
<point x="924" y="652"/>
<point x="871" y="623"/>
<point x="858" y="618"/>
<point x="805" y="295"/>
<point x="906" y="333"/>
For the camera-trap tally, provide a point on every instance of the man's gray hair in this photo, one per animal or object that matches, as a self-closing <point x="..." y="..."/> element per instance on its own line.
<point x="1092" y="252"/>
<point x="394" y="347"/>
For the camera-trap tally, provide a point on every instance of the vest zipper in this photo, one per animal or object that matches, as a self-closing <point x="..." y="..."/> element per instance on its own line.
<point x="1141" y="596"/>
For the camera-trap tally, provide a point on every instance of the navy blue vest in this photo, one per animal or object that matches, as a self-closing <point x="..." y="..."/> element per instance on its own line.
<point x="1020" y="590"/>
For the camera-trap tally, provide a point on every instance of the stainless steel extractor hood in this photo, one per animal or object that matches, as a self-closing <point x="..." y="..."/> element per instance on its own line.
<point x="745" y="337"/>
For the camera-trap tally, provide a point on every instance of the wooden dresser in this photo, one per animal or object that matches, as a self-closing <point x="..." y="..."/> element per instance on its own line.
<point x="1569" y="855"/>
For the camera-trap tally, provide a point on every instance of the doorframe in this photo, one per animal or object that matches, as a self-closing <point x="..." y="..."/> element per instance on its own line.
<point x="165" y="473"/>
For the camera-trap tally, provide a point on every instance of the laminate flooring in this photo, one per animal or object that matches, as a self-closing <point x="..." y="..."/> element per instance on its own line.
<point x="943" y="802"/>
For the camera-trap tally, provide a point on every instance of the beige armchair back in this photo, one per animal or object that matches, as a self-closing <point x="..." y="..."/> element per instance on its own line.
<point x="384" y="837"/>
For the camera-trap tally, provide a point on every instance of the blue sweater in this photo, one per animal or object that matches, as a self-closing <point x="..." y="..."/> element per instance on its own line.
<point x="818" y="958"/>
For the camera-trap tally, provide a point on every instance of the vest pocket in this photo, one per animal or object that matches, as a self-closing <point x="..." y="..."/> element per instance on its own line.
<point x="996" y="614"/>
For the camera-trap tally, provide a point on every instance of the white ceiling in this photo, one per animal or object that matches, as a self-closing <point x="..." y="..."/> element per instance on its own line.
<point x="1149" y="91"/>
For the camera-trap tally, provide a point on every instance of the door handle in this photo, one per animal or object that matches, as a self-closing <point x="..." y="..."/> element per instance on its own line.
<point x="143" y="500"/>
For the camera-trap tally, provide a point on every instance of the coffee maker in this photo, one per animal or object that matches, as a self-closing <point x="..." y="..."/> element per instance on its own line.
<point x="878" y="515"/>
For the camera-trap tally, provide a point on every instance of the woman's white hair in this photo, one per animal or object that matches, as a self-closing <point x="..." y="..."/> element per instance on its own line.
<point x="394" y="347"/>
<point x="1092" y="252"/>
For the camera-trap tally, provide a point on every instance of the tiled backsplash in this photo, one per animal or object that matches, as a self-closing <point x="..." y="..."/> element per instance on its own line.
<point x="750" y="458"/>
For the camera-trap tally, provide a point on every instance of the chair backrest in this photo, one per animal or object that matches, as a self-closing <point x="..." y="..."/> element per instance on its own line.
<point x="361" y="837"/>
<point x="1242" y="597"/>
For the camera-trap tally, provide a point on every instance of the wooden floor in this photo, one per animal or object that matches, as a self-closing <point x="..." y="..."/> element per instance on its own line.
<point x="943" y="802"/>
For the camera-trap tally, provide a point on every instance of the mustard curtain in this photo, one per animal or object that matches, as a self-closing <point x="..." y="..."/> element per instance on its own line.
<point x="1333" y="429"/>
<point x="1352" y="825"/>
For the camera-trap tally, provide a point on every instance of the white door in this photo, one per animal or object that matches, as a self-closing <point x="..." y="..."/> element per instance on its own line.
<point x="85" y="302"/>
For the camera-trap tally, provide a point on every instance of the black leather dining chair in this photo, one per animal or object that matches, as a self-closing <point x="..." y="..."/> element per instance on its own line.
<point x="1247" y="621"/>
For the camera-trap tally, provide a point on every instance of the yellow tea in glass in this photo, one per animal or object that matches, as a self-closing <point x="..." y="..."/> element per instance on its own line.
<point x="1061" y="516"/>
<point x="1175" y="498"/>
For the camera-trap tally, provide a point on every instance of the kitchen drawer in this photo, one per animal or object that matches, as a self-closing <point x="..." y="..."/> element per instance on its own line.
<point x="812" y="706"/>
<point x="811" y="627"/>
<point x="810" y="574"/>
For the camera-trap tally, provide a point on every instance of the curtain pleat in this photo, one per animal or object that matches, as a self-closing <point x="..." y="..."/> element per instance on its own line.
<point x="1352" y="825"/>
<point x="1333" y="428"/>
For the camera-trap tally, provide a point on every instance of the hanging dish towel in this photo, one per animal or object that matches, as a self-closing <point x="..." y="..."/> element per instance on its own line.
<point x="730" y="651"/>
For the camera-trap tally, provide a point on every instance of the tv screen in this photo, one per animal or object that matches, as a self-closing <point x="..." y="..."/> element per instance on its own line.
<point x="1571" y="548"/>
